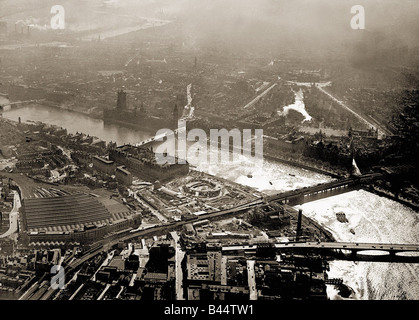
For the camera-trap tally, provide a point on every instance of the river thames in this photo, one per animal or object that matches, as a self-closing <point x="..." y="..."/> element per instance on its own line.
<point x="371" y="217"/>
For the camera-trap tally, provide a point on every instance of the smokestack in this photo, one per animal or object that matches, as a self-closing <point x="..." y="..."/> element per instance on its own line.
<point x="300" y="218"/>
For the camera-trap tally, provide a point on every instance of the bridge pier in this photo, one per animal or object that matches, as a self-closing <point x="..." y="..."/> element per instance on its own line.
<point x="392" y="255"/>
<point x="354" y="254"/>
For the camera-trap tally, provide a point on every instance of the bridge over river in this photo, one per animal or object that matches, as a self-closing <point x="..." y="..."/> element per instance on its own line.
<point x="323" y="190"/>
<point x="353" y="251"/>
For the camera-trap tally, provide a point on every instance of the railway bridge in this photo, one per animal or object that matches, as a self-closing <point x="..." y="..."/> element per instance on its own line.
<point x="324" y="190"/>
<point x="375" y="252"/>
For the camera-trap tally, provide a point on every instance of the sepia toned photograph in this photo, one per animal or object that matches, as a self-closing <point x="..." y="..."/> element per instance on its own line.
<point x="217" y="157"/>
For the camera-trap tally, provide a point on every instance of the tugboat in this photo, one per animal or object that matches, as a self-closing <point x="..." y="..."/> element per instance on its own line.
<point x="341" y="217"/>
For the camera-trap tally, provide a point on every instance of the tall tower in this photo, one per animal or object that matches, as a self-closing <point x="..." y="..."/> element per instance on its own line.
<point x="142" y="110"/>
<point x="122" y="100"/>
<point x="175" y="115"/>
<point x="300" y="218"/>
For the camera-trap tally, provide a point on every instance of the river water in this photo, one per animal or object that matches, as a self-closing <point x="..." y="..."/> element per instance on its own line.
<point x="373" y="218"/>
<point x="77" y="122"/>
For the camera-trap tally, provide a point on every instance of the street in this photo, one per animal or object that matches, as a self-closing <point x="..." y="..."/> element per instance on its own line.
<point x="14" y="215"/>
<point x="251" y="279"/>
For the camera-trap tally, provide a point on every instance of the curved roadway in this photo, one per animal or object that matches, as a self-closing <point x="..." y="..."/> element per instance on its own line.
<point x="13" y="217"/>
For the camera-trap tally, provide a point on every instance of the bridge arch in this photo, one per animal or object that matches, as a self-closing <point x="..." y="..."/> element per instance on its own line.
<point x="373" y="252"/>
<point x="407" y="253"/>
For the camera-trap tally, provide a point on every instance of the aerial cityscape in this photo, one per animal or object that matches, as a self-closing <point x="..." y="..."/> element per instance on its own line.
<point x="209" y="150"/>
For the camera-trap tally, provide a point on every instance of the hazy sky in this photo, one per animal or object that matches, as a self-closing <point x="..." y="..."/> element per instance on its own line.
<point x="325" y="20"/>
<point x="306" y="22"/>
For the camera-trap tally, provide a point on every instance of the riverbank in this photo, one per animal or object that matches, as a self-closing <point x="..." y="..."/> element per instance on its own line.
<point x="151" y="131"/>
<point x="315" y="227"/>
<point x="142" y="127"/>
<point x="391" y="196"/>
<point x="50" y="104"/>
<point x="66" y="108"/>
<point x="301" y="165"/>
<point x="127" y="135"/>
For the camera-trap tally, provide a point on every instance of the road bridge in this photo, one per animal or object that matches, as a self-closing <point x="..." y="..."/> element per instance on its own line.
<point x="376" y="252"/>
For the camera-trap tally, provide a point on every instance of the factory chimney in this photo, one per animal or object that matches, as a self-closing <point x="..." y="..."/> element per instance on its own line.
<point x="300" y="218"/>
<point x="175" y="115"/>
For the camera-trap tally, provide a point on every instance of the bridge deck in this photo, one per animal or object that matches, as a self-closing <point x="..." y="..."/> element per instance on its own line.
<point x="352" y="246"/>
<point x="335" y="245"/>
<point x="324" y="186"/>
